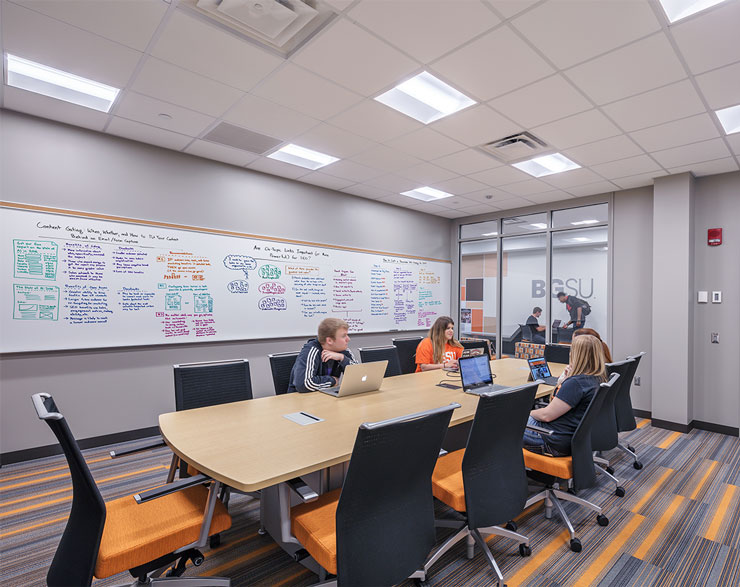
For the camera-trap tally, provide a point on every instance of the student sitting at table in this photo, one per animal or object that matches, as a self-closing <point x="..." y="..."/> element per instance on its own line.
<point x="440" y="349"/>
<point x="604" y="346"/>
<point x="322" y="359"/>
<point x="563" y="414"/>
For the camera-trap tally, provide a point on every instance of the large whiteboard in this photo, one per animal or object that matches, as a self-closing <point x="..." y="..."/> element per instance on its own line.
<point x="72" y="282"/>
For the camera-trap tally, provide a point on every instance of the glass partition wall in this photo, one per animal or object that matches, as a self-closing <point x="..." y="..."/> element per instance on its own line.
<point x="536" y="256"/>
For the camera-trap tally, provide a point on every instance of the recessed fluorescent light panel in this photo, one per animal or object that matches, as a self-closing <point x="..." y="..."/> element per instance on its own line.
<point x="302" y="157"/>
<point x="730" y="119"/>
<point x="582" y="222"/>
<point x="678" y="9"/>
<point x="581" y="239"/>
<point x="546" y="165"/>
<point x="538" y="225"/>
<point x="425" y="98"/>
<point x="489" y="234"/>
<point x="426" y="194"/>
<point x="55" y="83"/>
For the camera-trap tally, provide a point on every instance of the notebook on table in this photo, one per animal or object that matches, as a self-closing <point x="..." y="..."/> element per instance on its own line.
<point x="539" y="369"/>
<point x="476" y="376"/>
<point x="359" y="378"/>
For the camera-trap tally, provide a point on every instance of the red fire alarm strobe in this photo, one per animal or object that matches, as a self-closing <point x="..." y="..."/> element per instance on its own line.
<point x="714" y="237"/>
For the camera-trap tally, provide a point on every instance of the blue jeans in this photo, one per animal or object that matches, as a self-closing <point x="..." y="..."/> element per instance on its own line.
<point x="534" y="442"/>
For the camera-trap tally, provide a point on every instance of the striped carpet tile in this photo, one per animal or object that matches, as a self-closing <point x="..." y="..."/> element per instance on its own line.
<point x="678" y="524"/>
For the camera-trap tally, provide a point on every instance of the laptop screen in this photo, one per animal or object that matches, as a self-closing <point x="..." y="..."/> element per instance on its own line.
<point x="539" y="368"/>
<point x="475" y="371"/>
<point x="555" y="323"/>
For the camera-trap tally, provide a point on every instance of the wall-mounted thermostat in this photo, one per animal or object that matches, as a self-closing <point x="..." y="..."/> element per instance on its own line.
<point x="716" y="297"/>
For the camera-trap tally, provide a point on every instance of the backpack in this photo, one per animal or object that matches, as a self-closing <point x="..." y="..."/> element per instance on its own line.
<point x="586" y="308"/>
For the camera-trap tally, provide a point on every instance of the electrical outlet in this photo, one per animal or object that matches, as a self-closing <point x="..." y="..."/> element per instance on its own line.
<point x="715" y="337"/>
<point x="637" y="380"/>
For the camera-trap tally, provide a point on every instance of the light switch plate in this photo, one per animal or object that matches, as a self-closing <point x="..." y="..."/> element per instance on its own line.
<point x="702" y="297"/>
<point x="716" y="297"/>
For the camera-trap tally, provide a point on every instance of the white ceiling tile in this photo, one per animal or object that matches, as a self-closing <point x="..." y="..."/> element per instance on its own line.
<point x="426" y="143"/>
<point x="526" y="188"/>
<point x="426" y="174"/>
<point x="375" y="121"/>
<point x="592" y="189"/>
<point x="721" y="87"/>
<point x="425" y="30"/>
<point x="33" y="36"/>
<point x="571" y="178"/>
<point x="350" y="56"/>
<point x="271" y="119"/>
<point x="398" y="200"/>
<point x="451" y="214"/>
<point x="509" y="8"/>
<point x="547" y="197"/>
<point x="611" y="149"/>
<point x="274" y="167"/>
<point x="305" y="92"/>
<point x="511" y="203"/>
<point x="184" y="88"/>
<point x="582" y="128"/>
<point x="543" y="101"/>
<point x="333" y="141"/>
<point x="485" y="208"/>
<point x="614" y="76"/>
<point x="326" y="181"/>
<point x="457" y="202"/>
<point x="393" y="183"/>
<point x="429" y="208"/>
<point x="221" y="153"/>
<point x="637" y="181"/>
<point x="144" y="133"/>
<point x="476" y="126"/>
<point x="500" y="176"/>
<point x="147" y="110"/>
<point x="488" y="196"/>
<point x="627" y="167"/>
<point x="210" y="51"/>
<point x="459" y="185"/>
<point x="129" y="23"/>
<point x="734" y="141"/>
<point x="672" y="102"/>
<point x="571" y="32"/>
<point x="515" y="64"/>
<point x="709" y="40"/>
<point x="695" y="153"/>
<point x="385" y="158"/>
<point x="467" y="162"/>
<point x="352" y="171"/>
<point x="725" y="165"/>
<point x="676" y="133"/>
<point x="366" y="191"/>
<point x="45" y="107"/>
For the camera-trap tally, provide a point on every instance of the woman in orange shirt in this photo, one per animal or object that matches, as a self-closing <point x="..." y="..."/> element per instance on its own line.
<point x="439" y="349"/>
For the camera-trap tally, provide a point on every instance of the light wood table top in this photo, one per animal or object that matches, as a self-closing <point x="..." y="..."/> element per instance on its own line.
<point x="249" y="445"/>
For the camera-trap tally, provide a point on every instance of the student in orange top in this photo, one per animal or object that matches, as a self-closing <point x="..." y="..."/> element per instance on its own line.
<point x="439" y="349"/>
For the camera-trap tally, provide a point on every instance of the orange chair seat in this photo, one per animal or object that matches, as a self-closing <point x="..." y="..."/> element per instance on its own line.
<point x="135" y="534"/>
<point x="560" y="467"/>
<point x="314" y="524"/>
<point x="447" y="480"/>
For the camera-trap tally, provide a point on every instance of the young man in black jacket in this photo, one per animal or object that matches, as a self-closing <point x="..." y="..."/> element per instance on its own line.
<point x="577" y="308"/>
<point x="322" y="359"/>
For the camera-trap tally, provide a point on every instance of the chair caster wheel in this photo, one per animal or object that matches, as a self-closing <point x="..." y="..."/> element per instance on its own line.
<point x="619" y="492"/>
<point x="511" y="525"/>
<point x="637" y="465"/>
<point x="215" y="541"/>
<point x="575" y="545"/>
<point x="262" y="532"/>
<point x="198" y="560"/>
<point x="631" y="448"/>
<point x="602" y="520"/>
<point x="525" y="550"/>
<point x="610" y="470"/>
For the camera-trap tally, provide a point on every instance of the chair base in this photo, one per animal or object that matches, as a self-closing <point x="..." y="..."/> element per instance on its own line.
<point x="605" y="469"/>
<point x="630" y="451"/>
<point x="552" y="496"/>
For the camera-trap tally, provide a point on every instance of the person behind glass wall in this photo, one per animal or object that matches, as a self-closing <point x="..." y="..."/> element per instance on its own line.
<point x="565" y="411"/>
<point x="440" y="349"/>
<point x="538" y="332"/>
<point x="577" y="308"/>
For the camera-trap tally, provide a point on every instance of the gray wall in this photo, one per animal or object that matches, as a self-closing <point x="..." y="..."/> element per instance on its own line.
<point x="115" y="390"/>
<point x="716" y="387"/>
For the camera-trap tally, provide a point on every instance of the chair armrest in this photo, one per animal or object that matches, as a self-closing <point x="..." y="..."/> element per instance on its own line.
<point x="302" y="490"/>
<point x="540" y="429"/>
<point x="173" y="487"/>
<point x="129" y="451"/>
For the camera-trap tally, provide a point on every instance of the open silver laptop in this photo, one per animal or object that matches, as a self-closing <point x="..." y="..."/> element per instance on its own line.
<point x="476" y="376"/>
<point x="359" y="378"/>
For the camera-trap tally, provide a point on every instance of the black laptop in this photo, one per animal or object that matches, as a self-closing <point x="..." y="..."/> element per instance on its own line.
<point x="539" y="369"/>
<point x="476" y="376"/>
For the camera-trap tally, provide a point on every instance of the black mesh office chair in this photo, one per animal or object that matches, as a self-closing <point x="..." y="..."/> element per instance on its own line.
<point x="604" y="430"/>
<point x="623" y="405"/>
<point x="508" y="343"/>
<point x="383" y="353"/>
<point x="486" y="482"/>
<point x="211" y="383"/>
<point x="527" y="332"/>
<point x="134" y="533"/>
<point x="281" y="365"/>
<point x="407" y="352"/>
<point x="557" y="353"/>
<point x="477" y="344"/>
<point x="576" y="470"/>
<point x="383" y="528"/>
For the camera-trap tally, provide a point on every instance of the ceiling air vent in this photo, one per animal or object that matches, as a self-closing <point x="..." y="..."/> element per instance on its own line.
<point x="516" y="147"/>
<point x="278" y="25"/>
<point x="241" y="138"/>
